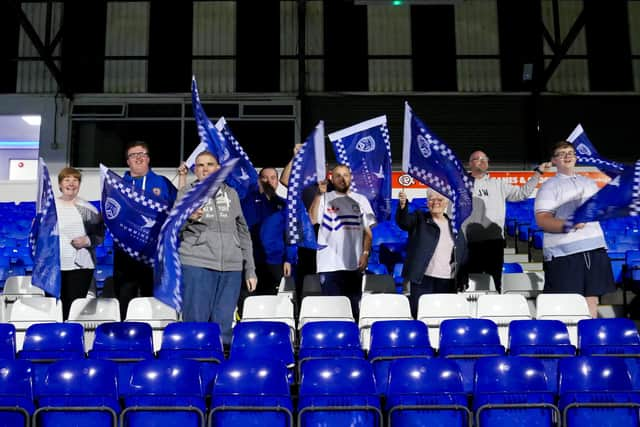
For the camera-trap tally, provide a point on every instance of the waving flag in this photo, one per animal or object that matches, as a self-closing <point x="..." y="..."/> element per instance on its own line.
<point x="432" y="162"/>
<point x="308" y="168"/>
<point x="366" y="149"/>
<point x="620" y="197"/>
<point x="167" y="272"/>
<point x="133" y="218"/>
<point x="587" y="155"/>
<point x="44" y="238"/>
<point x="191" y="160"/>
<point x="223" y="144"/>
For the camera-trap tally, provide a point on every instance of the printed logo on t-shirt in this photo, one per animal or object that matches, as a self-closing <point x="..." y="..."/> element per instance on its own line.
<point x="156" y="191"/>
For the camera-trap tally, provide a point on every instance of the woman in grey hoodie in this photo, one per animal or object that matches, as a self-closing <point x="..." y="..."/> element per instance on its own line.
<point x="215" y="251"/>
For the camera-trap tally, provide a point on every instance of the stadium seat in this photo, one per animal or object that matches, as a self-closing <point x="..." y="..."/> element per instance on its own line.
<point x="478" y="284"/>
<point x="396" y="339"/>
<point x="376" y="307"/>
<point x="329" y="339"/>
<point x="287" y="287"/>
<point x="465" y="340"/>
<point x="252" y="393"/>
<point x="164" y="393"/>
<point x="511" y="267"/>
<point x="91" y="312"/>
<point x="529" y="285"/>
<point x="7" y="341"/>
<point x="125" y="343"/>
<point x="547" y="340"/>
<point x="378" y="284"/>
<point x="596" y="391"/>
<point x="318" y="308"/>
<point x="612" y="337"/>
<point x="200" y="341"/>
<point x="79" y="393"/>
<point x="426" y="393"/>
<point x="507" y="389"/>
<point x="16" y="393"/>
<point x="24" y="312"/>
<point x="502" y="309"/>
<point x="18" y="287"/>
<point x="434" y="308"/>
<point x="259" y="339"/>
<point x="154" y="312"/>
<point x="276" y="308"/>
<point x="376" y="268"/>
<point x="338" y="392"/>
<point x="568" y="308"/>
<point x="311" y="286"/>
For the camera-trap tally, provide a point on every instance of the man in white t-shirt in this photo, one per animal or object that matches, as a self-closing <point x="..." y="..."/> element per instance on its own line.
<point x="575" y="256"/>
<point x="345" y="219"/>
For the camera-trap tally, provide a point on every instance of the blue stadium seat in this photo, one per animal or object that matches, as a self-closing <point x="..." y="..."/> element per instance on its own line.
<point x="465" y="340"/>
<point x="164" y="393"/>
<point x="7" y="341"/>
<point x="547" y="340"/>
<point x="79" y="393"/>
<point x="257" y="339"/>
<point x="329" y="339"/>
<point x="426" y="393"/>
<point x="512" y="388"/>
<point x="16" y="393"/>
<point x="395" y="339"/>
<point x="596" y="391"/>
<point x="612" y="337"/>
<point x="338" y="392"/>
<point x="45" y="343"/>
<point x="200" y="341"/>
<point x="376" y="268"/>
<point x="512" y="267"/>
<point x="253" y="393"/>
<point x="125" y="343"/>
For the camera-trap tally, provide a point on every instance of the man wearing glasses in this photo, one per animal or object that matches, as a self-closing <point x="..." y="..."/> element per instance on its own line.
<point x="575" y="256"/>
<point x="484" y="229"/>
<point x="131" y="277"/>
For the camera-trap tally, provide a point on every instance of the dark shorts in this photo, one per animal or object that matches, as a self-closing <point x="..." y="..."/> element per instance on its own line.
<point x="586" y="273"/>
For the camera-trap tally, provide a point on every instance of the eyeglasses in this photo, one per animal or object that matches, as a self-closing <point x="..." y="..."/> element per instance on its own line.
<point x="564" y="154"/>
<point x="479" y="159"/>
<point x="138" y="155"/>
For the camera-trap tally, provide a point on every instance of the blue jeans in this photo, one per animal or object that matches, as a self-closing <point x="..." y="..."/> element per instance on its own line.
<point x="346" y="283"/>
<point x="210" y="296"/>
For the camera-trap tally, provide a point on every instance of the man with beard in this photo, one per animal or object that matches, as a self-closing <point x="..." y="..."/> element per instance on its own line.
<point x="345" y="220"/>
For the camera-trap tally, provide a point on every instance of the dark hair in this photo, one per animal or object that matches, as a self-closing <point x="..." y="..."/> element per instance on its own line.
<point x="560" y="144"/>
<point x="341" y="165"/>
<point x="68" y="171"/>
<point x="132" y="144"/>
<point x="207" y="153"/>
<point x="264" y="169"/>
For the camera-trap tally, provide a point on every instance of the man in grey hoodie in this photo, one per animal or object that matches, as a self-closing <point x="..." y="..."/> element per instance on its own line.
<point x="215" y="251"/>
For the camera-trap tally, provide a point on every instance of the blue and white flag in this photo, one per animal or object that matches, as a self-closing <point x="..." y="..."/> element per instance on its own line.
<point x="191" y="160"/>
<point x="308" y="168"/>
<point x="433" y="163"/>
<point x="44" y="238"/>
<point x="366" y="149"/>
<point x="587" y="155"/>
<point x="620" y="197"/>
<point x="167" y="271"/>
<point x="134" y="218"/>
<point x="223" y="144"/>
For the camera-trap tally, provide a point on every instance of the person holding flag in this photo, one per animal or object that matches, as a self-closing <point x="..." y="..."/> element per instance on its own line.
<point x="215" y="251"/>
<point x="575" y="256"/>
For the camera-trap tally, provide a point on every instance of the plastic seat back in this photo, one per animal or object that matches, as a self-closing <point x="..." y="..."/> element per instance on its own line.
<point x="164" y="392"/>
<point x="375" y="307"/>
<point x="378" y="284"/>
<point x="79" y="392"/>
<point x="24" y="312"/>
<point x="338" y="392"/>
<point x="511" y="267"/>
<point x="330" y="339"/>
<point x="597" y="391"/>
<point x="568" y="308"/>
<point x="16" y="393"/>
<point x="478" y="284"/>
<point x="251" y="392"/>
<point x="318" y="308"/>
<point x="20" y="286"/>
<point x="91" y="312"/>
<point x="7" y="341"/>
<point x="311" y="286"/>
<point x="503" y="309"/>
<point x="529" y="285"/>
<point x="154" y="312"/>
<point x="277" y="308"/>
<point x="434" y="308"/>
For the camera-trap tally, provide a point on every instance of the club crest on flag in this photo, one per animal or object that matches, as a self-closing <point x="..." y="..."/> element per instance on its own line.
<point x="366" y="144"/>
<point x="587" y="155"/>
<point x="423" y="145"/>
<point x="111" y="208"/>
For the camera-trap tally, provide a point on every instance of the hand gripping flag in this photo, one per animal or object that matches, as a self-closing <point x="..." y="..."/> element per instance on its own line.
<point x="223" y="144"/>
<point x="587" y="155"/>
<point x="134" y="218"/>
<point x="167" y="272"/>
<point x="620" y="197"/>
<point x="366" y="149"/>
<point x="433" y="163"/>
<point x="44" y="238"/>
<point x="308" y="168"/>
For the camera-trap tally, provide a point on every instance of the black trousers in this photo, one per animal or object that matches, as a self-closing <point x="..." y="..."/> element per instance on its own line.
<point x="269" y="276"/>
<point x="74" y="284"/>
<point x="487" y="257"/>
<point x="131" y="279"/>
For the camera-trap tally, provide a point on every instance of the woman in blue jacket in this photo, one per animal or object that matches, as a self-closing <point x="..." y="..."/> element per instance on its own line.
<point x="434" y="251"/>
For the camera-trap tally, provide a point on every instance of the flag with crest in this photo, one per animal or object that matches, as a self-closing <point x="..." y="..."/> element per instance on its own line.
<point x="586" y="154"/>
<point x="366" y="149"/>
